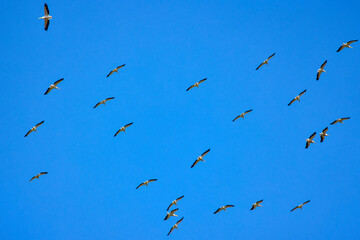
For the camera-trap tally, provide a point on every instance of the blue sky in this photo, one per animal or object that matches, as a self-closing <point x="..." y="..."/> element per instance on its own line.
<point x="90" y="193"/>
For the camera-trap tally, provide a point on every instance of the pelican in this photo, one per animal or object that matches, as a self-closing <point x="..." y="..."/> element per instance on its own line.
<point x="257" y="204"/>
<point x="265" y="62"/>
<point x="54" y="86"/>
<point x="123" y="128"/>
<point x="174" y="202"/>
<point x="242" y="115"/>
<point x="196" y="84"/>
<point x="300" y="206"/>
<point x="38" y="176"/>
<point x="297" y="97"/>
<point x="223" y="208"/>
<point x="171" y="214"/>
<point x="47" y="17"/>
<point x="33" y="128"/>
<point x="175" y="225"/>
<point x="146" y="183"/>
<point x="115" y="70"/>
<point x="339" y="120"/>
<point x="320" y="70"/>
<point x="310" y="140"/>
<point x="103" y="101"/>
<point x="346" y="45"/>
<point x="323" y="134"/>
<point x="200" y="158"/>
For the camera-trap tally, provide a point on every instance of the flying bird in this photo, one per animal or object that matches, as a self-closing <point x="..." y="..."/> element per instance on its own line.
<point x="171" y="214"/>
<point x="122" y="129"/>
<point x="320" y="70"/>
<point x="146" y="183"/>
<point x="103" y="101"/>
<point x="175" y="226"/>
<point x="323" y="134"/>
<point x="265" y="62"/>
<point x="339" y="120"/>
<point x="47" y="17"/>
<point x="297" y="97"/>
<point x="38" y="176"/>
<point x="223" y="208"/>
<point x="310" y="140"/>
<point x="196" y="84"/>
<point x="54" y="86"/>
<point x="174" y="202"/>
<point x="346" y="45"/>
<point x="242" y="115"/>
<point x="200" y="158"/>
<point x="115" y="70"/>
<point x="33" y="128"/>
<point x="300" y="206"/>
<point x="257" y="204"/>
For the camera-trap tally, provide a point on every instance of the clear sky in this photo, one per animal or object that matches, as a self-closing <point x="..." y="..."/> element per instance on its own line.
<point x="167" y="46"/>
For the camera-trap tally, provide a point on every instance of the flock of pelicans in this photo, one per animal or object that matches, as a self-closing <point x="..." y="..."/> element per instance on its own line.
<point x="171" y="213"/>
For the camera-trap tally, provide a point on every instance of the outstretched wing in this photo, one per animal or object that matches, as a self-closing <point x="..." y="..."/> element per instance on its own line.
<point x="352" y="41"/>
<point x="47" y="91"/>
<point x="312" y="136"/>
<point x="334" y="122"/>
<point x="190" y="87"/>
<point x="294" y="208"/>
<point x="169" y="206"/>
<point x="291" y="102"/>
<point x="271" y="56"/>
<point x="323" y="65"/>
<point x="179" y="221"/>
<point x="347" y="118"/>
<point x="260" y="66"/>
<point x="302" y="93"/>
<point x="141" y="184"/>
<point x="117" y="132"/>
<point x="203" y="80"/>
<point x="28" y="133"/>
<point x="112" y="71"/>
<point x="110" y="98"/>
<point x="58" y="81"/>
<point x="174" y="211"/>
<point x="152" y="180"/>
<point x="227" y="206"/>
<point x="218" y="210"/>
<point x="206" y="152"/>
<point x="120" y="67"/>
<point x="236" y="118"/>
<point x="248" y="111"/>
<point x="46" y="24"/>
<point x="43" y="173"/>
<point x="252" y="207"/>
<point x="340" y="48"/>
<point x="32" y="178"/>
<point x="179" y="198"/>
<point x="171" y="230"/>
<point x="97" y="105"/>
<point x="306" y="202"/>
<point x="129" y="124"/>
<point x="318" y="75"/>
<point x="46" y="9"/>
<point x="196" y="161"/>
<point x="260" y="201"/>
<point x="37" y="125"/>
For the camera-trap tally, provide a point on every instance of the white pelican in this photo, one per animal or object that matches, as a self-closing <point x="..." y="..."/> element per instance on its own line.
<point x="300" y="206"/>
<point x="310" y="140"/>
<point x="171" y="214"/>
<point x="38" y="176"/>
<point x="33" y="128"/>
<point x="346" y="45"/>
<point x="320" y="70"/>
<point x="123" y="128"/>
<point x="196" y="84"/>
<point x="54" y="86"/>
<point x="339" y="120"/>
<point x="174" y="202"/>
<point x="257" y="204"/>
<point x="297" y="97"/>
<point x="223" y="208"/>
<point x="175" y="225"/>
<point x="242" y="115"/>
<point x="115" y="70"/>
<point x="146" y="183"/>
<point x="323" y="134"/>
<point x="103" y="101"/>
<point x="200" y="158"/>
<point x="47" y="17"/>
<point x="265" y="62"/>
